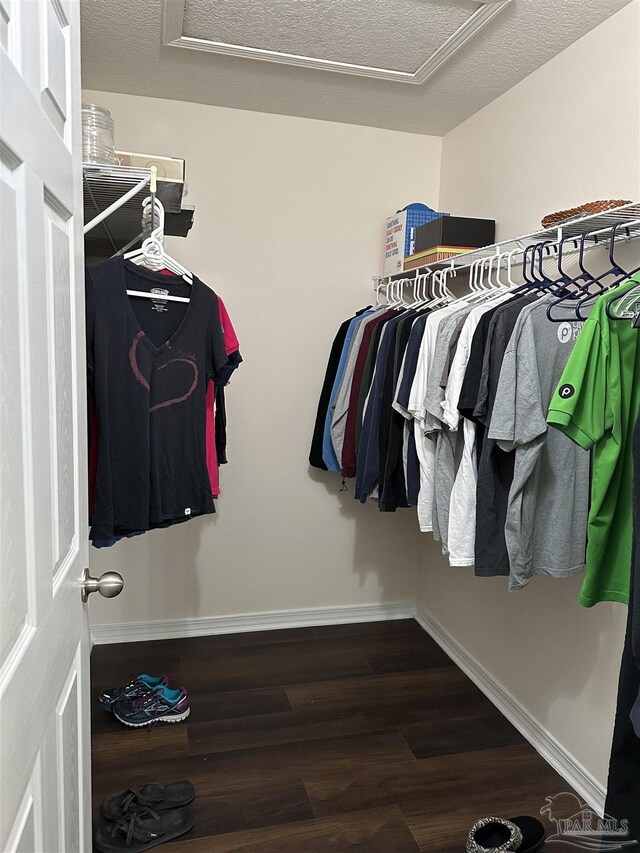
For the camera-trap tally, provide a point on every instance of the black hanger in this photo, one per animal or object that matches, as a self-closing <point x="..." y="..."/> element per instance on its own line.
<point x="584" y="294"/>
<point x="549" y="283"/>
<point x="525" y="264"/>
<point x="615" y="269"/>
<point x="531" y="283"/>
<point x="584" y="276"/>
<point x="566" y="279"/>
<point x="542" y="282"/>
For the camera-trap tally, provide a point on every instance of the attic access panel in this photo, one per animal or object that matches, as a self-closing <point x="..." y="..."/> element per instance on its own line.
<point x="409" y="40"/>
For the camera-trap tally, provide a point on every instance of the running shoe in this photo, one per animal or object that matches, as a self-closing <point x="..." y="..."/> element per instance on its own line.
<point x="162" y="705"/>
<point x="141" y="830"/>
<point x="140" y="685"/>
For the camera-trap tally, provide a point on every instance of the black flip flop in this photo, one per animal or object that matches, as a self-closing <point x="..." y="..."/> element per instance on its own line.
<point x="151" y="795"/>
<point x="142" y="830"/>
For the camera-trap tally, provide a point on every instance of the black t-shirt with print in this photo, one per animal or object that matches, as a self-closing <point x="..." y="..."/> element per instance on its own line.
<point x="148" y="365"/>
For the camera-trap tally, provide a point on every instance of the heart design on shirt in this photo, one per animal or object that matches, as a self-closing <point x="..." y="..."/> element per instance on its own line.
<point x="141" y="378"/>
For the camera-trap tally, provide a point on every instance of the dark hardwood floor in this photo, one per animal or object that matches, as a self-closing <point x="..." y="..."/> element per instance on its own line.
<point x="354" y="737"/>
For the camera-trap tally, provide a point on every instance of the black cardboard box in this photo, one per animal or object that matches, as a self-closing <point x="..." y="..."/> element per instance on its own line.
<point x="459" y="231"/>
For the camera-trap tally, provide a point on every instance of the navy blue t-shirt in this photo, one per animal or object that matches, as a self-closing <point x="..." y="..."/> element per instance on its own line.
<point x="149" y="362"/>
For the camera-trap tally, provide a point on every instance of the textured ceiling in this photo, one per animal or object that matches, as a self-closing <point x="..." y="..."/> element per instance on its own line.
<point x="395" y="34"/>
<point x="123" y="52"/>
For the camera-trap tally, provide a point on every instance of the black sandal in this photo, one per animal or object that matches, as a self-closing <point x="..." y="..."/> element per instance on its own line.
<point x="151" y="795"/>
<point x="141" y="830"/>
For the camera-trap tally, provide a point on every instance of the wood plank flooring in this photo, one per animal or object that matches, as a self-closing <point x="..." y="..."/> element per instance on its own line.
<point x="356" y="737"/>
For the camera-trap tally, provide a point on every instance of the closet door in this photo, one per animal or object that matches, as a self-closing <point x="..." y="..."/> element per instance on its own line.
<point x="44" y="639"/>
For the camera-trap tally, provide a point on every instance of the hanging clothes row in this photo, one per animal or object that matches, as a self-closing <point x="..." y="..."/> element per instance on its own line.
<point x="160" y="350"/>
<point x="444" y="405"/>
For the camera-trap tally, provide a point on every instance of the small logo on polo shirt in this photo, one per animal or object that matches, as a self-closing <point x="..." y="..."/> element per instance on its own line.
<point x="569" y="331"/>
<point x="187" y="511"/>
<point x="566" y="391"/>
<point x="565" y="333"/>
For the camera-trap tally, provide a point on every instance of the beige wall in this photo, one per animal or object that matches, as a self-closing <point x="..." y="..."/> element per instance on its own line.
<point x="289" y="228"/>
<point x="567" y="134"/>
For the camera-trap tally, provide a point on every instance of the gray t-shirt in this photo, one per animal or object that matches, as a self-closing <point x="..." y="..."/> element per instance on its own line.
<point x="453" y="344"/>
<point x="434" y="396"/>
<point x="495" y="467"/>
<point x="341" y="402"/>
<point x="447" y="455"/>
<point x="546" y="525"/>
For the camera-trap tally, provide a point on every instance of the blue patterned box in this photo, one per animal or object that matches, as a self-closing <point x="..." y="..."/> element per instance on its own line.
<point x="400" y="234"/>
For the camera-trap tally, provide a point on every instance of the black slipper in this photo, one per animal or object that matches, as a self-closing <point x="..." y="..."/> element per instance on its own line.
<point x="518" y="835"/>
<point x="151" y="795"/>
<point x="142" y="830"/>
<point x="494" y="835"/>
<point x="533" y="834"/>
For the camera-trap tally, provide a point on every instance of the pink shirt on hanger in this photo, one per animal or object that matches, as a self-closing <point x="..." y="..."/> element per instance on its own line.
<point x="232" y="345"/>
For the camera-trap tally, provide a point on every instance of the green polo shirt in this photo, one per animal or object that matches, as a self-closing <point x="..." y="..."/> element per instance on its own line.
<point x="596" y="405"/>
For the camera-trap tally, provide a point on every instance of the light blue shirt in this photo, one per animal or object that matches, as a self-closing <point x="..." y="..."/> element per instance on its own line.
<point x="328" y="453"/>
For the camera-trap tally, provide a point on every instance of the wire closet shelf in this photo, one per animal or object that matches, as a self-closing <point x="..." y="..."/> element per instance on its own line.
<point x="628" y="215"/>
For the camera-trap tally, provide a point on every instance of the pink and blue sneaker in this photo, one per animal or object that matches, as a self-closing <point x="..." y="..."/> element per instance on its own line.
<point x="139" y="686"/>
<point x="161" y="705"/>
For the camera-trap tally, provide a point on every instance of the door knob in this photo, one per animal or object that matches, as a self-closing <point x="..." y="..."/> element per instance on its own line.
<point x="109" y="584"/>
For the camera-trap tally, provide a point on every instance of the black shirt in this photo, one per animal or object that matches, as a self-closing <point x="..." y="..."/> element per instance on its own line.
<point x="473" y="374"/>
<point x="149" y="362"/>
<point x="393" y="490"/>
<point x="315" y="454"/>
<point x="495" y="467"/>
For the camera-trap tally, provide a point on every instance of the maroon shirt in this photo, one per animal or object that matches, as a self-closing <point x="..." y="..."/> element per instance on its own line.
<point x="349" y="445"/>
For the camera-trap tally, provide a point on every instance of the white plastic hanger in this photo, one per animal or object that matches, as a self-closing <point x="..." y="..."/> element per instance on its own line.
<point x="152" y="253"/>
<point x="391" y="293"/>
<point x="447" y="295"/>
<point x="476" y="291"/>
<point x="379" y="287"/>
<point x="423" y="288"/>
<point x="511" y="284"/>
<point x="406" y="302"/>
<point x="492" y="287"/>
<point x="503" y="286"/>
<point x="397" y="292"/>
<point x="439" y="294"/>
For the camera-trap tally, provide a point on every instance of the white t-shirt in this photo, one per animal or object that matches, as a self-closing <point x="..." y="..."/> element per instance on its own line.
<point x="462" y="507"/>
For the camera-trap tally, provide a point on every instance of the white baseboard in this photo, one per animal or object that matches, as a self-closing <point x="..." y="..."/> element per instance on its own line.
<point x="273" y="620"/>
<point x="591" y="791"/>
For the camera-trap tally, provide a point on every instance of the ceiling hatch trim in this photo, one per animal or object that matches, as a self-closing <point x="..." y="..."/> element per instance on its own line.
<point x="173" y="36"/>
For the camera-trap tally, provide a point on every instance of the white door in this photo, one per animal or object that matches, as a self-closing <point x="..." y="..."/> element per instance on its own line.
<point x="44" y="639"/>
